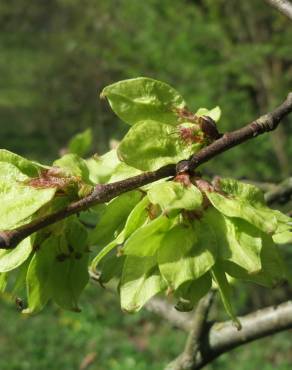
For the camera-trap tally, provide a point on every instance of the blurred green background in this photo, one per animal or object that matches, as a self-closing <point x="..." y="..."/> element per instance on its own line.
<point x="55" y="57"/>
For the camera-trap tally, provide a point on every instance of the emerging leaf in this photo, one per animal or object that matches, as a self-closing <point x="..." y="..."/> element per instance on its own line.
<point x="114" y="218"/>
<point x="39" y="275"/>
<point x="81" y="143"/>
<point x="28" y="168"/>
<point x="174" y="195"/>
<point x="146" y="240"/>
<point x="140" y="99"/>
<point x="219" y="278"/>
<point x="238" y="241"/>
<point x="214" y="113"/>
<point x="74" y="166"/>
<point x="11" y="259"/>
<point x="19" y="201"/>
<point x="243" y="207"/>
<point x="140" y="281"/>
<point x="186" y="253"/>
<point x="102" y="168"/>
<point x="150" y="145"/>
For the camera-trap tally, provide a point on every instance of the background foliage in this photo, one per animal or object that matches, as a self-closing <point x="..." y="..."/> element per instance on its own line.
<point x="56" y="56"/>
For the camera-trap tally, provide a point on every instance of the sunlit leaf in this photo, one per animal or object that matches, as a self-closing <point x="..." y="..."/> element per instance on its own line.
<point x="74" y="166"/>
<point x="27" y="167"/>
<point x="138" y="99"/>
<point x="19" y="200"/>
<point x="150" y="145"/>
<point x="114" y="218"/>
<point x="146" y="240"/>
<point x="137" y="217"/>
<point x="214" y="113"/>
<point x="140" y="281"/>
<point x="12" y="258"/>
<point x="272" y="273"/>
<point x="174" y="195"/>
<point x="186" y="253"/>
<point x="102" y="168"/>
<point x="241" y="207"/>
<point x="238" y="241"/>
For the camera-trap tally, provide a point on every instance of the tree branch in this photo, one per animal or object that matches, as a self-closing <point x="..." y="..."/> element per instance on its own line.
<point x="167" y="311"/>
<point x="223" y="337"/>
<point x="282" y="192"/>
<point x="284" y="6"/>
<point x="186" y="361"/>
<point x="104" y="193"/>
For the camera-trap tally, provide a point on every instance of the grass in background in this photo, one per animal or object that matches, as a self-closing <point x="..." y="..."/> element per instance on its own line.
<point x="104" y="338"/>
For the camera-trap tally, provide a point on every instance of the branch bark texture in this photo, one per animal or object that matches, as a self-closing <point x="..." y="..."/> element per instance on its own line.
<point x="222" y="337"/>
<point x="284" y="6"/>
<point x="104" y="193"/>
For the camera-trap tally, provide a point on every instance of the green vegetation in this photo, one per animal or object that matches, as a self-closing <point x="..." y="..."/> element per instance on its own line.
<point x="55" y="58"/>
<point x="61" y="340"/>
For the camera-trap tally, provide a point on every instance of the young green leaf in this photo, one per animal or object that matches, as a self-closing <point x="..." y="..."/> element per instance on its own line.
<point x="69" y="275"/>
<point x="190" y="292"/>
<point x="186" y="253"/>
<point x="238" y="241"/>
<point x="150" y="145"/>
<point x="273" y="270"/>
<point x="19" y="200"/>
<point x="140" y="281"/>
<point x="39" y="275"/>
<point x="76" y="234"/>
<point x="3" y="281"/>
<point x="111" y="268"/>
<point x="114" y="218"/>
<point x="172" y="195"/>
<point x="74" y="166"/>
<point x="220" y="279"/>
<point x="19" y="282"/>
<point x="283" y="233"/>
<point x="146" y="240"/>
<point x="122" y="172"/>
<point x="29" y="168"/>
<point x="101" y="168"/>
<point x="138" y="99"/>
<point x="12" y="258"/>
<point x="241" y="207"/>
<point x="69" y="278"/>
<point x="214" y="113"/>
<point x="243" y="190"/>
<point x="106" y="250"/>
<point x="137" y="217"/>
<point x="81" y="143"/>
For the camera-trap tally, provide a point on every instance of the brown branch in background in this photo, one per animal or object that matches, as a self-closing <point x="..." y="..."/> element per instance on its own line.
<point x="282" y="193"/>
<point x="187" y="359"/>
<point x="284" y="6"/>
<point x="180" y="320"/>
<point x="222" y="337"/>
<point x="106" y="192"/>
